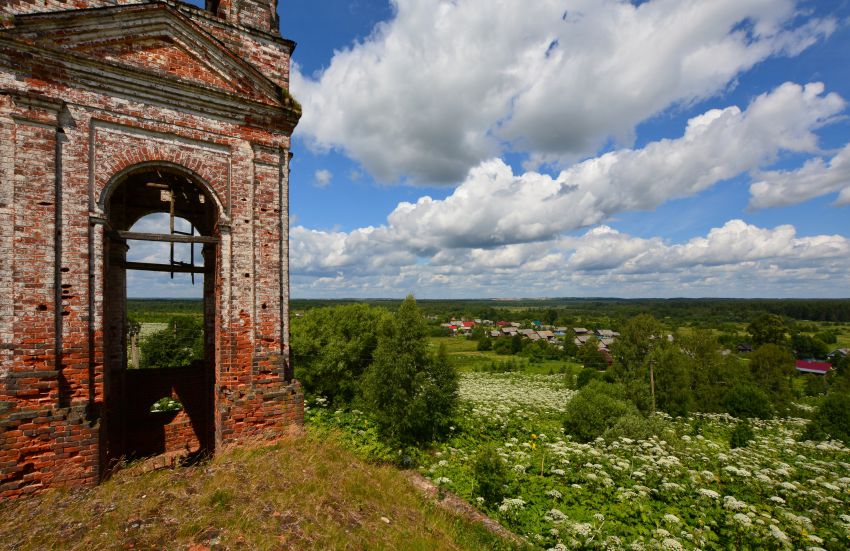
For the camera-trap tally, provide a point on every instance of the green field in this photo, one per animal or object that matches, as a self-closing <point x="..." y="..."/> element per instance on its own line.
<point x="465" y="356"/>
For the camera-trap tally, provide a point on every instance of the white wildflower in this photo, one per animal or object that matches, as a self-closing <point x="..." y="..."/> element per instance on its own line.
<point x="777" y="533"/>
<point x="556" y="515"/>
<point x="672" y="519"/>
<point x="742" y="519"/>
<point x="672" y="544"/>
<point x="582" y="529"/>
<point x="729" y="502"/>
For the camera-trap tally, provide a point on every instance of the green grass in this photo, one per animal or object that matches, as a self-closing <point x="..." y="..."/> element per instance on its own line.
<point x="464" y="355"/>
<point x="455" y="345"/>
<point x="302" y="493"/>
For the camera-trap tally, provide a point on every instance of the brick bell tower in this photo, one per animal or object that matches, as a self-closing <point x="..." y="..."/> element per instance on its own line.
<point x="256" y="14"/>
<point x="112" y="110"/>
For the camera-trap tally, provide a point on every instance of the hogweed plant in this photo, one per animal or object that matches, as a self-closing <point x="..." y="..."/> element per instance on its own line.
<point x="683" y="488"/>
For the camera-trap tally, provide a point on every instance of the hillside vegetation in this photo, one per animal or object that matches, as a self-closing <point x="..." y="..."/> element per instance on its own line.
<point x="302" y="493"/>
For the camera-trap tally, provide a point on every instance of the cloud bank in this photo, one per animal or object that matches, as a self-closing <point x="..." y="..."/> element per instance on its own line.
<point x="446" y="85"/>
<point x="501" y="233"/>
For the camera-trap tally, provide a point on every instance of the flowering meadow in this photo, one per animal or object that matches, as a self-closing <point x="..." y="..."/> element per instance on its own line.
<point x="684" y="489"/>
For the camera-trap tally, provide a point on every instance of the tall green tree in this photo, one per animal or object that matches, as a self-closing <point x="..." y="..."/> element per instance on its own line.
<point x="772" y="368"/>
<point x="768" y="329"/>
<point x="590" y="355"/>
<point x="411" y="393"/>
<point x="806" y="346"/>
<point x="632" y="351"/>
<point x="332" y="347"/>
<point x="638" y="338"/>
<point x="712" y="374"/>
<point x="672" y="371"/>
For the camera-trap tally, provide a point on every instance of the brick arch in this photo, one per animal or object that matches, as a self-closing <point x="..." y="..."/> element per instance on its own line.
<point x="127" y="153"/>
<point x="119" y="177"/>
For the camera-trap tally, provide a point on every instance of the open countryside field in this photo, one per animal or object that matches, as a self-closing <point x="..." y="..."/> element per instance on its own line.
<point x="685" y="489"/>
<point x="465" y="356"/>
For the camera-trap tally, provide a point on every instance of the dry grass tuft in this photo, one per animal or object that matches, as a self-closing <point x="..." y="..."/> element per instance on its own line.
<point x="301" y="493"/>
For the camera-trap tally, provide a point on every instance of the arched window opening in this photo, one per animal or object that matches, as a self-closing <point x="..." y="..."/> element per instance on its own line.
<point x="159" y="308"/>
<point x="165" y="310"/>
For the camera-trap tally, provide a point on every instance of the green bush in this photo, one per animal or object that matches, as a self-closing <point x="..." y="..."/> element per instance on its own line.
<point x="831" y="420"/>
<point x="502" y="347"/>
<point x="816" y="385"/>
<point x="491" y="475"/>
<point x="596" y="408"/>
<point x="747" y="401"/>
<point x="181" y="343"/>
<point x="485" y="344"/>
<point x="331" y="348"/>
<point x="741" y="435"/>
<point x="636" y="427"/>
<point x="586" y="375"/>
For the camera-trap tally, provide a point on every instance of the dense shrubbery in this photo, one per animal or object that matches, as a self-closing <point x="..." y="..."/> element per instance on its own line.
<point x="366" y="357"/>
<point x="831" y="420"/>
<point x="595" y="409"/>
<point x="491" y="475"/>
<point x="586" y="375"/>
<point x="332" y="348"/>
<point x="748" y="401"/>
<point x="178" y="345"/>
<point x="741" y="435"/>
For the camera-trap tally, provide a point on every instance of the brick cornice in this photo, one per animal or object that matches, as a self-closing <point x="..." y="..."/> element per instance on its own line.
<point x="34" y="108"/>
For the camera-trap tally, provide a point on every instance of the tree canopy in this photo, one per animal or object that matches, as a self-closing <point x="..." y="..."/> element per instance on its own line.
<point x="411" y="392"/>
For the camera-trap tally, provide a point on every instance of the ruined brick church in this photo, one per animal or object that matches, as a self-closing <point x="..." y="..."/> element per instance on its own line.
<point x="111" y="110"/>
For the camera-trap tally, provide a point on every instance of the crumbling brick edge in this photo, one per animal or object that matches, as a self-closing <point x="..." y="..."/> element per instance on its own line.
<point x="457" y="506"/>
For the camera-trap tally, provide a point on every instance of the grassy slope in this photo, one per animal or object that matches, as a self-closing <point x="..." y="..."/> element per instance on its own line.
<point x="299" y="494"/>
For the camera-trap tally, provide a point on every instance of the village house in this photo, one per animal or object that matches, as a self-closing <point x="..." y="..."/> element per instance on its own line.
<point x="817" y="368"/>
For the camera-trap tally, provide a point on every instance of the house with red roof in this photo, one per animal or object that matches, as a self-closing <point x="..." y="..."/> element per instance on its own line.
<point x="818" y="368"/>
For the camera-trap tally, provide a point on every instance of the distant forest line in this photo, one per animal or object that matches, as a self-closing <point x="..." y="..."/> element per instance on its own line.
<point x="677" y="311"/>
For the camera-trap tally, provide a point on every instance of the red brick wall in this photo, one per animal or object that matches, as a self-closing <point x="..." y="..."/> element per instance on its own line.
<point x="38" y="6"/>
<point x="64" y="145"/>
<point x="187" y="431"/>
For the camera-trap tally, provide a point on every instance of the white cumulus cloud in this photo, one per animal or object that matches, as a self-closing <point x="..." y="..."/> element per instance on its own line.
<point x="815" y="178"/>
<point x="323" y="177"/>
<point x="493" y="206"/>
<point x="736" y="259"/>
<point x="447" y="84"/>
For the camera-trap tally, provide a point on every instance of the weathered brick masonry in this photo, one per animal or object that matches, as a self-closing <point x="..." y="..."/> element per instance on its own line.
<point x="104" y="103"/>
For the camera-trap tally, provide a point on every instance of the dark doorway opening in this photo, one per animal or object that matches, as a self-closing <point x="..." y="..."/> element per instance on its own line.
<point x="162" y="222"/>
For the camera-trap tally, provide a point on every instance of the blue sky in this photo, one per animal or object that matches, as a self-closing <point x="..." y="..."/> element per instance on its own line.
<point x="570" y="148"/>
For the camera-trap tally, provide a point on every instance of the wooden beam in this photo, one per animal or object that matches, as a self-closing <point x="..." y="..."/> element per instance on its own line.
<point x="177" y="269"/>
<point x="165" y="238"/>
